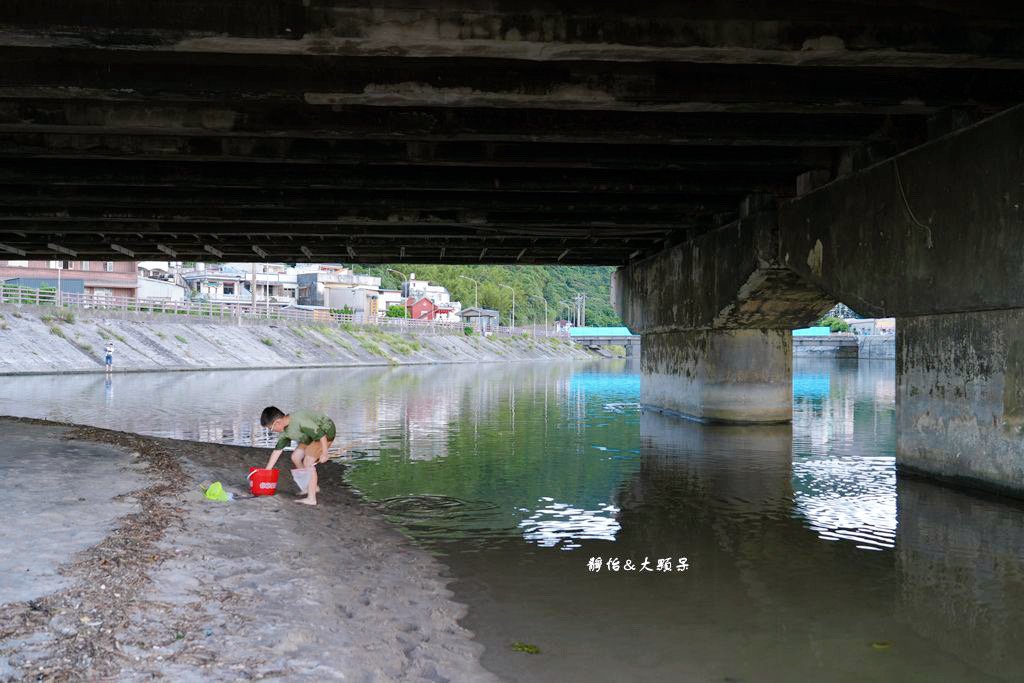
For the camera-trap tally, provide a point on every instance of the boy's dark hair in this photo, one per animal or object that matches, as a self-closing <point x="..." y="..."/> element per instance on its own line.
<point x="270" y="413"/>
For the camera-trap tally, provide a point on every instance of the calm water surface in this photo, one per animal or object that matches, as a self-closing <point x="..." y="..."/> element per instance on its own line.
<point x="807" y="558"/>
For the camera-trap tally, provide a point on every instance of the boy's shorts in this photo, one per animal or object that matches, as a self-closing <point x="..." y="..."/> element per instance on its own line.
<point x="109" y="360"/>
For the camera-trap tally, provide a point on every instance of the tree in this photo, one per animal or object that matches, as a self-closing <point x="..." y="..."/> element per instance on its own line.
<point x="396" y="311"/>
<point x="834" y="324"/>
<point x="551" y="283"/>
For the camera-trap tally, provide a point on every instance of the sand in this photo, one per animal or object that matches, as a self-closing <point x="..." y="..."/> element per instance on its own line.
<point x="153" y="580"/>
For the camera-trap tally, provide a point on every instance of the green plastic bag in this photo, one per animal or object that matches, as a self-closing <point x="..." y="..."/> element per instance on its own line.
<point x="216" y="492"/>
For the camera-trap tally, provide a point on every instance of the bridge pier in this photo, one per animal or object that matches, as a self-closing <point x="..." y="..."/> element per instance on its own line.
<point x="933" y="237"/>
<point x="715" y="315"/>
<point x="960" y="398"/>
<point x="737" y="376"/>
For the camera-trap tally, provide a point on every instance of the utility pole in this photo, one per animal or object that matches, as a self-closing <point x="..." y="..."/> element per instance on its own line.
<point x="545" y="301"/>
<point x="252" y="287"/>
<point x="568" y="311"/>
<point x="513" y="304"/>
<point x="580" y="301"/>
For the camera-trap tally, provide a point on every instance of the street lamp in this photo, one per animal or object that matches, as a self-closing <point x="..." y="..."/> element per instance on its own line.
<point x="405" y="308"/>
<point x="513" y="304"/>
<point x="545" y="301"/>
<point x="59" y="298"/>
<point x="476" y="290"/>
<point x="568" y="312"/>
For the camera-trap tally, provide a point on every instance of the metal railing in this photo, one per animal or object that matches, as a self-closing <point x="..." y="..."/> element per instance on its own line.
<point x="243" y="313"/>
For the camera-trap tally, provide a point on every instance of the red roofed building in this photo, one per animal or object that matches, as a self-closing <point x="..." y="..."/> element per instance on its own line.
<point x="425" y="309"/>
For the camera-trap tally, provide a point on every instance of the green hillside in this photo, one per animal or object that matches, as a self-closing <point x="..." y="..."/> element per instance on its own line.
<point x="554" y="283"/>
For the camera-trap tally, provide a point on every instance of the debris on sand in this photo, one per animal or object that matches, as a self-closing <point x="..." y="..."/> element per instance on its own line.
<point x="76" y="628"/>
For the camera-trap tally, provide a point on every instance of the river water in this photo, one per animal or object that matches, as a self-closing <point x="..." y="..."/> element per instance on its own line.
<point x="781" y="553"/>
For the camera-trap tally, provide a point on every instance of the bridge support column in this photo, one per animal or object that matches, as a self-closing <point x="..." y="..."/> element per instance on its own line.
<point x="960" y="398"/>
<point x="738" y="376"/>
<point x="715" y="314"/>
<point x="934" y="237"/>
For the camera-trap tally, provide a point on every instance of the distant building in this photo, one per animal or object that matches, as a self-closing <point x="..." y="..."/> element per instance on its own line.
<point x="158" y="270"/>
<point x="150" y="288"/>
<point x="600" y="332"/>
<point x="443" y="308"/>
<point x="817" y="331"/>
<point x="420" y="289"/>
<point x="359" y="299"/>
<point x="388" y="298"/>
<point x="425" y="309"/>
<point x="231" y="283"/>
<point x="484" y="320"/>
<point x="312" y="279"/>
<point x="104" y="278"/>
<point x="867" y="326"/>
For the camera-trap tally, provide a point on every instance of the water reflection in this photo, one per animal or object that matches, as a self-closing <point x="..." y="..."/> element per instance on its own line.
<point x="960" y="562"/>
<point x="566" y="526"/>
<point x="844" y="466"/>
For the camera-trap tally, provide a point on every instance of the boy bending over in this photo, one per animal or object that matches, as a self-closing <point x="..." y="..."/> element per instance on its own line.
<point x="314" y="433"/>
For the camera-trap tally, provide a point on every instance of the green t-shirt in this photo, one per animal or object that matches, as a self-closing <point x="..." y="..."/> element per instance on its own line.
<point x="306" y="427"/>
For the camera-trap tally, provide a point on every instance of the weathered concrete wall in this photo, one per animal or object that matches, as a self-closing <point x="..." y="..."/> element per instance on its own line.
<point x="728" y="278"/>
<point x="715" y="314"/>
<point x="33" y="341"/>
<point x="939" y="229"/>
<point x="831" y="346"/>
<point x="719" y="376"/>
<point x="960" y="398"/>
<point x="877" y="346"/>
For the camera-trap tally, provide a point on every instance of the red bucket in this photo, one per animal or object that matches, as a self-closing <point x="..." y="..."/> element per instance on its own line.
<point x="263" y="482"/>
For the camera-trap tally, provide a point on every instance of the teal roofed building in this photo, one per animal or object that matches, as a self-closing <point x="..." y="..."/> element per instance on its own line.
<point x="600" y="332"/>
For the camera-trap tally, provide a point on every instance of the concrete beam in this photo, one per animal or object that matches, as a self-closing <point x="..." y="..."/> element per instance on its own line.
<point x="728" y="278"/>
<point x="939" y="229"/>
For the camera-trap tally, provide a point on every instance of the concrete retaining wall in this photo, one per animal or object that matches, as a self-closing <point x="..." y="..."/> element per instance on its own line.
<point x="881" y="346"/>
<point x="830" y="346"/>
<point x="33" y="340"/>
<point x="877" y="346"/>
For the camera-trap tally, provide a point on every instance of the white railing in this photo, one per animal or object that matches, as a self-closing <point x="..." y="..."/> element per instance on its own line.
<point x="243" y="313"/>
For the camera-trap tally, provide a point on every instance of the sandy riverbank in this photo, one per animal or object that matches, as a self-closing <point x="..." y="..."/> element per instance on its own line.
<point x="135" y="574"/>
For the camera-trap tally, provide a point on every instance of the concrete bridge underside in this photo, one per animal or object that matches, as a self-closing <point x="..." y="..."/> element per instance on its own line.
<point x="745" y="164"/>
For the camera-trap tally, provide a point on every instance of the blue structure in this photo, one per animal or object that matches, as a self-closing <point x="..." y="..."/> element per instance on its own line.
<point x="821" y="331"/>
<point x="601" y="332"/>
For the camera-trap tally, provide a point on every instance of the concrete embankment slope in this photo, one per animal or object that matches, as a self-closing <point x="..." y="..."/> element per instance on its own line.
<point x="45" y="340"/>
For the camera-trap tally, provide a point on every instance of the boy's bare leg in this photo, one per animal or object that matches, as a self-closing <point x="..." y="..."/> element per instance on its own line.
<point x="310" y="453"/>
<point x="313" y="489"/>
<point x="297" y="456"/>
